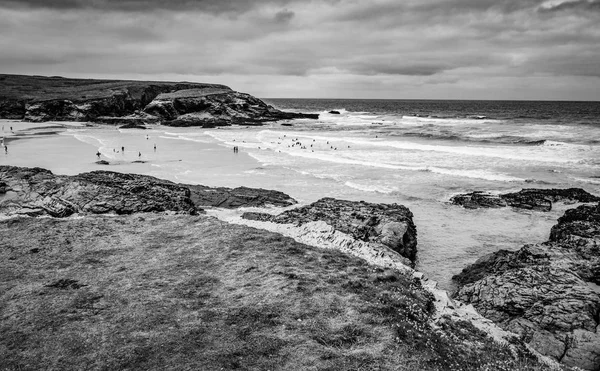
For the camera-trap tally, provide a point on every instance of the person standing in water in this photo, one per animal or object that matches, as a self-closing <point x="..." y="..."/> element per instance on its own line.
<point x="154" y="147"/>
<point x="139" y="154"/>
<point x="123" y="149"/>
<point x="98" y="154"/>
<point x="5" y="149"/>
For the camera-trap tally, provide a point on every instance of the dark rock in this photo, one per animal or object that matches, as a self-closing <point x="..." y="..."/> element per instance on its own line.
<point x="548" y="293"/>
<point x="37" y="191"/>
<point x="133" y="126"/>
<point x="103" y="162"/>
<point x="286" y="124"/>
<point x="38" y="98"/>
<point x="389" y="225"/>
<point x="334" y="112"/>
<point x="231" y="198"/>
<point x="65" y="284"/>
<point x="530" y="199"/>
<point x="210" y="107"/>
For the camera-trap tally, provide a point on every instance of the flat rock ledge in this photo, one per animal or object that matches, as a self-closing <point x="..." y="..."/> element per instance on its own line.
<point x="388" y="225"/>
<point x="36" y="192"/>
<point x="529" y="198"/>
<point x="547" y="293"/>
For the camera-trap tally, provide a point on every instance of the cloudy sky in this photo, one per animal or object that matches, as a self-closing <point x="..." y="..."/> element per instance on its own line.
<point x="446" y="49"/>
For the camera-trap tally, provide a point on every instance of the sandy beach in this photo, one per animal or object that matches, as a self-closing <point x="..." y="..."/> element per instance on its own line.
<point x="68" y="148"/>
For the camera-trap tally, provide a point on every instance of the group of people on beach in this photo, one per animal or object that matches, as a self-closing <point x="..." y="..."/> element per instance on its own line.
<point x="98" y="153"/>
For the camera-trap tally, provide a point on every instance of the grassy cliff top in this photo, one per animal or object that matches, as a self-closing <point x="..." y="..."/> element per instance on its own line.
<point x="36" y="88"/>
<point x="156" y="292"/>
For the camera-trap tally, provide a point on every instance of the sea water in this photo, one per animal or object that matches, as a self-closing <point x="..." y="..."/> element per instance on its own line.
<point x="415" y="153"/>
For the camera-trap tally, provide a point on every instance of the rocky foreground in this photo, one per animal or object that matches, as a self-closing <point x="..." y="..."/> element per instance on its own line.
<point x="389" y="225"/>
<point x="528" y="199"/>
<point x="548" y="293"/>
<point x="141" y="279"/>
<point x="37" y="192"/>
<point x="132" y="103"/>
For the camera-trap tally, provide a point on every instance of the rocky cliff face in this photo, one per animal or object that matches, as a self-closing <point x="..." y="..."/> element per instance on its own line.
<point x="37" y="99"/>
<point x="35" y="192"/>
<point x="531" y="199"/>
<point x="215" y="107"/>
<point x="548" y="293"/>
<point x="388" y="225"/>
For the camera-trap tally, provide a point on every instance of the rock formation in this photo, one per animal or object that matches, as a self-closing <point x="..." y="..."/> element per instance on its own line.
<point x="215" y="107"/>
<point x="388" y="225"/>
<point x="229" y="198"/>
<point x="35" y="191"/>
<point x="531" y="199"/>
<point x="37" y="99"/>
<point x="548" y="293"/>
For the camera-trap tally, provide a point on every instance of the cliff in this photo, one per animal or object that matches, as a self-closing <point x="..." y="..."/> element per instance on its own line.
<point x="38" y="98"/>
<point x="548" y="293"/>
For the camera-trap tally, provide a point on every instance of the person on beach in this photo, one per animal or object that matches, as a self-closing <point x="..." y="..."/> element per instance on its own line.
<point x="98" y="154"/>
<point x="139" y="154"/>
<point x="123" y="149"/>
<point x="5" y="149"/>
<point x="154" y="147"/>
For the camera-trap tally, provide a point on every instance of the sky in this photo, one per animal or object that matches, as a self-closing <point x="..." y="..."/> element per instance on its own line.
<point x="391" y="49"/>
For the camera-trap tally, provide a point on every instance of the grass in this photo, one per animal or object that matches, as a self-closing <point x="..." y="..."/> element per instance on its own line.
<point x="21" y="87"/>
<point x="154" y="292"/>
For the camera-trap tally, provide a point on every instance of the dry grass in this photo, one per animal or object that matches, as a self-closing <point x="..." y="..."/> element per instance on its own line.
<point x="192" y="293"/>
<point x="47" y="88"/>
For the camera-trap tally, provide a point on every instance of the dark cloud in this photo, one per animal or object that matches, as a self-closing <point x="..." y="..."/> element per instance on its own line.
<point x="284" y="16"/>
<point x="209" y="6"/>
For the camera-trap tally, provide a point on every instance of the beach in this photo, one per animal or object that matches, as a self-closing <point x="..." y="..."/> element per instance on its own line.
<point x="370" y="163"/>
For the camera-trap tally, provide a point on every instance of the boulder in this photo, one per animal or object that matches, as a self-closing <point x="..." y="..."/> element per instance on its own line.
<point x="103" y="162"/>
<point x="530" y="199"/>
<point x="35" y="191"/>
<point x="388" y="225"/>
<point x="232" y="198"/>
<point x="334" y="112"/>
<point x="548" y="293"/>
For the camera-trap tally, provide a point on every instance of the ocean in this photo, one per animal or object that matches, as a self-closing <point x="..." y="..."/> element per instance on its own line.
<point x="418" y="153"/>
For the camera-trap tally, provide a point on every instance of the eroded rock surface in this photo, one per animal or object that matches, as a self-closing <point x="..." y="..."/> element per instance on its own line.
<point x="215" y="107"/>
<point x="531" y="199"/>
<point x="231" y="198"/>
<point x="36" y="191"/>
<point x="118" y="102"/>
<point x="388" y="225"/>
<point x="548" y="293"/>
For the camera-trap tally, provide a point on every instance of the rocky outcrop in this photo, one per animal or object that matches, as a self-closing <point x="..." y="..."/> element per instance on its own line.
<point x="37" y="99"/>
<point x="232" y="198"/>
<point x="548" y="293"/>
<point x="215" y="107"/>
<point x="387" y="225"/>
<point x="530" y="199"/>
<point x="35" y="191"/>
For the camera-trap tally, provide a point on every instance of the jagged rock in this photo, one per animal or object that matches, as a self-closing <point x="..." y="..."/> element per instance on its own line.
<point x="215" y="107"/>
<point x="35" y="191"/>
<point x="548" y="293"/>
<point x="389" y="225"/>
<point x="38" y="98"/>
<point x="238" y="197"/>
<point x="334" y="112"/>
<point x="531" y="199"/>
